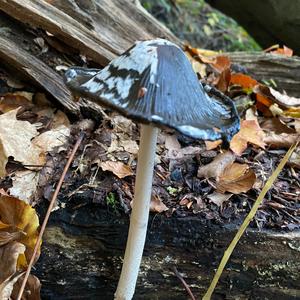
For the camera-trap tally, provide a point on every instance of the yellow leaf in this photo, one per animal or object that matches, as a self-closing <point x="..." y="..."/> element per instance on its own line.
<point x="21" y="217"/>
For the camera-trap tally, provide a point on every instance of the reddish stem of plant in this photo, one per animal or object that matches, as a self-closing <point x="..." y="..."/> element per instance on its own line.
<point x="36" y="247"/>
<point x="187" y="288"/>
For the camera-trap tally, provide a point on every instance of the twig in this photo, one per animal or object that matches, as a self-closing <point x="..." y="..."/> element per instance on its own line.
<point x="184" y="283"/>
<point x="38" y="242"/>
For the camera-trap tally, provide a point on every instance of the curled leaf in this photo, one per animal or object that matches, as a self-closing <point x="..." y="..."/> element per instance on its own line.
<point x="217" y="166"/>
<point x="250" y="132"/>
<point x="236" y="179"/>
<point x="118" y="168"/>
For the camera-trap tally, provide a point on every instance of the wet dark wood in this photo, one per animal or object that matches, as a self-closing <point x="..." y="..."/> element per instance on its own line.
<point x="82" y="250"/>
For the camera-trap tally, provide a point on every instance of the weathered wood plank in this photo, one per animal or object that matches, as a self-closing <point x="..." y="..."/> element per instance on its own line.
<point x="33" y="68"/>
<point x="99" y="29"/>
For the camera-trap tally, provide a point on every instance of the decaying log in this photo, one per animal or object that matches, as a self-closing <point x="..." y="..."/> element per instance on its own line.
<point x="283" y="70"/>
<point x="99" y="29"/>
<point x="81" y="258"/>
<point x="34" y="69"/>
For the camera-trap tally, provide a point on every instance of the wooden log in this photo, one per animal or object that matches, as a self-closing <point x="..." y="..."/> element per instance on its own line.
<point x="34" y="69"/>
<point x="82" y="250"/>
<point x="265" y="66"/>
<point x="101" y="30"/>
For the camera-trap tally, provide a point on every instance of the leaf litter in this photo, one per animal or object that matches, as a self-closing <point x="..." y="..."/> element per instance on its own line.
<point x="191" y="177"/>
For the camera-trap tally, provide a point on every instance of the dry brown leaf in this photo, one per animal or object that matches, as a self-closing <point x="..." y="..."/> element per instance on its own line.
<point x="223" y="80"/>
<point x="217" y="166"/>
<point x="210" y="145"/>
<point x="250" y="132"/>
<point x="24" y="185"/>
<point x="276" y="126"/>
<point x="218" y="198"/>
<point x="7" y="237"/>
<point x="60" y="118"/>
<point x="282" y="140"/>
<point x="294" y="160"/>
<point x="12" y="101"/>
<point x="15" y="141"/>
<point x="118" y="168"/>
<point x="9" y="255"/>
<point x="22" y="218"/>
<point x="56" y="137"/>
<point x="171" y="142"/>
<point x="236" y="179"/>
<point x="156" y="204"/>
<point x="32" y="288"/>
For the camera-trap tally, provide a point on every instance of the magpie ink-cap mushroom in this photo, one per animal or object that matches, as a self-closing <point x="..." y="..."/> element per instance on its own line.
<point x="153" y="83"/>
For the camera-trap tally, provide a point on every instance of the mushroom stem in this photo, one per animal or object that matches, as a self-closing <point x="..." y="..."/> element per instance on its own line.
<point x="140" y="214"/>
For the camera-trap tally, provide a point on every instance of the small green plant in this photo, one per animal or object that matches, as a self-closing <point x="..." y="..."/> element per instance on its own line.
<point x="111" y="200"/>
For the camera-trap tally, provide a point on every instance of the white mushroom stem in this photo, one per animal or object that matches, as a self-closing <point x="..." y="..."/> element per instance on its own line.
<point x="140" y="214"/>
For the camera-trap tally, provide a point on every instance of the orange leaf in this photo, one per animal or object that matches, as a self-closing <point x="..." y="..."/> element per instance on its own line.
<point x="223" y="81"/>
<point x="286" y="51"/>
<point x="245" y="81"/>
<point x="250" y="132"/>
<point x="221" y="63"/>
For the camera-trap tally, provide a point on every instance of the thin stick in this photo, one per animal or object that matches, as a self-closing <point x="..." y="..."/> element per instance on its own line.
<point x="246" y="222"/>
<point x="187" y="288"/>
<point x="38" y="242"/>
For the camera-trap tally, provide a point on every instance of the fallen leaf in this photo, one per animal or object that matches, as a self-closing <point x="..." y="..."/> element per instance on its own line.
<point x="292" y="112"/>
<point x="282" y="140"/>
<point x="275" y="125"/>
<point x="7" y="237"/>
<point x="32" y="288"/>
<point x="296" y="124"/>
<point x="56" y="137"/>
<point x="236" y="179"/>
<point x="294" y="160"/>
<point x="9" y="255"/>
<point x="218" y="198"/>
<point x="217" y="166"/>
<point x="12" y="101"/>
<point x="156" y="204"/>
<point x="283" y="99"/>
<point x="221" y="64"/>
<point x="210" y="145"/>
<point x="24" y="185"/>
<point x="250" y="132"/>
<point x="118" y="168"/>
<point x="223" y="80"/>
<point x="15" y="141"/>
<point x="245" y="81"/>
<point x="286" y="51"/>
<point x="22" y="218"/>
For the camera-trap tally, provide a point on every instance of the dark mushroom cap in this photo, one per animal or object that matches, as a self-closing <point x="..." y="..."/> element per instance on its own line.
<point x="153" y="82"/>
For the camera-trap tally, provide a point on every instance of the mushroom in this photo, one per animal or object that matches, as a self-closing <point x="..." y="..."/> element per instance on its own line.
<point x="154" y="84"/>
